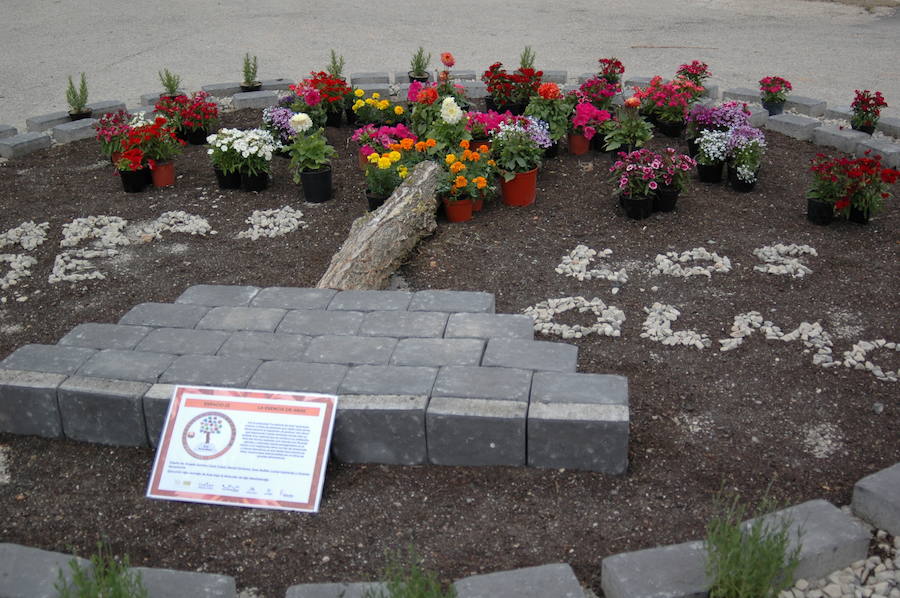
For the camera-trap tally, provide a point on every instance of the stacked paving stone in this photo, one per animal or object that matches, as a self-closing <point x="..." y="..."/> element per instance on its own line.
<point x="425" y="377"/>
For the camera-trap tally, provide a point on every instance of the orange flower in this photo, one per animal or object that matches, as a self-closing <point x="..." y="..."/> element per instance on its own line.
<point x="483" y="149"/>
<point x="480" y="182"/>
<point x="456" y="167"/>
<point x="475" y="157"/>
<point x="420" y="146"/>
<point x="464" y="144"/>
<point x="491" y="163"/>
<point x="460" y="182"/>
<point x="632" y="102"/>
<point x="430" y="143"/>
<point x="447" y="59"/>
<point x="466" y="155"/>
<point x="395" y="146"/>
<point x="406" y="143"/>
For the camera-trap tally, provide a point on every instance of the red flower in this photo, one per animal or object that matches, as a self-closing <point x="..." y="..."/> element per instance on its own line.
<point x="447" y="59"/>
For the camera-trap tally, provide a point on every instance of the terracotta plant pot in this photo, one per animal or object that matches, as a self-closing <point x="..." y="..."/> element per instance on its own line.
<point x="363" y="162"/>
<point x="458" y="210"/>
<point x="521" y="190"/>
<point x="578" y="144"/>
<point x="163" y="174"/>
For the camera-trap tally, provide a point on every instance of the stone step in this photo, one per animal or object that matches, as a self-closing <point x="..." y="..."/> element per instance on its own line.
<point x="876" y="498"/>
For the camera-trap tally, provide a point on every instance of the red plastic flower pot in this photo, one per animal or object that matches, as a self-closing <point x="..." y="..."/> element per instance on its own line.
<point x="578" y="144"/>
<point x="458" y="210"/>
<point x="521" y="190"/>
<point x="163" y="174"/>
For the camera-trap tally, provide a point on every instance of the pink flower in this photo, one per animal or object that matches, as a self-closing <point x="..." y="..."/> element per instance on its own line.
<point x="413" y="92"/>
<point x="653" y="185"/>
<point x="447" y="59"/>
<point x="366" y="151"/>
<point x="589" y="133"/>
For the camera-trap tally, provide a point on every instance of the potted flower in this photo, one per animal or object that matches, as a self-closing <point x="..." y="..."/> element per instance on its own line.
<point x="774" y="91"/>
<point x="250" y="67"/>
<point x="517" y="148"/>
<point x="77" y="99"/>
<point x="555" y="109"/>
<point x="481" y="124"/>
<point x="311" y="162"/>
<point x="466" y="181"/>
<point x="334" y="92"/>
<point x="372" y="139"/>
<point x="745" y="146"/>
<point x="668" y="102"/>
<point x="672" y="177"/>
<point x="636" y="173"/>
<point x="418" y="66"/>
<point x="171" y="84"/>
<point x="384" y="173"/>
<point x="711" y="155"/>
<point x="133" y="169"/>
<point x="629" y="131"/>
<point x="450" y="128"/>
<point x="254" y="148"/>
<point x="697" y="72"/>
<point x="112" y="129"/>
<point x="307" y="99"/>
<point x="855" y="188"/>
<point x="723" y="117"/>
<point x="277" y="121"/>
<point x="587" y="122"/>
<point x="599" y="92"/>
<point x="160" y="145"/>
<point x="510" y="91"/>
<point x="611" y="70"/>
<point x="225" y="158"/>
<point x="376" y="110"/>
<point x="191" y="117"/>
<point x="866" y="109"/>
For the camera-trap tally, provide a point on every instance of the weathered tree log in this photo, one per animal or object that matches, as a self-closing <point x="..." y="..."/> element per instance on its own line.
<point x="379" y="241"/>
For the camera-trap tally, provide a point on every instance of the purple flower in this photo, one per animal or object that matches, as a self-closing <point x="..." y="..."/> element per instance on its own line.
<point x="278" y="122"/>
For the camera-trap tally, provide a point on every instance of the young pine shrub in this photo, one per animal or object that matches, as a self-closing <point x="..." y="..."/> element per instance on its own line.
<point x="335" y="66"/>
<point x="77" y="98"/>
<point x="409" y="580"/>
<point x="251" y="65"/>
<point x="107" y="577"/>
<point x="170" y="82"/>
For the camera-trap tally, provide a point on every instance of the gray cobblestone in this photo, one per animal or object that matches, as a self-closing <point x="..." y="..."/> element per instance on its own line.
<point x="876" y="498"/>
<point x="793" y="125"/>
<point x="889" y="125"/>
<point x="254" y="99"/>
<point x="804" y="105"/>
<point x="389" y="380"/>
<point x="52" y="359"/>
<point x="438" y="351"/>
<point x="103" y="411"/>
<point x="531" y="355"/>
<point x="210" y="370"/>
<point x="630" y="82"/>
<point x="221" y="90"/>
<point x="28" y="403"/>
<point x="474" y="89"/>
<point x="889" y="152"/>
<point x="506" y="384"/>
<point x="214" y="295"/>
<point x="404" y="324"/>
<point x="371" y="301"/>
<point x="43" y="122"/>
<point x="74" y="130"/>
<point x="742" y="94"/>
<point x="31" y="573"/>
<point x="321" y="323"/>
<point x="104" y="336"/>
<point x="838" y="113"/>
<point x="164" y="315"/>
<point x="453" y="301"/>
<point x="260" y="319"/>
<point x="156" y="404"/>
<point x="381" y="77"/>
<point x="280" y="84"/>
<point x="352" y="350"/>
<point x="293" y="298"/>
<point x="265" y="345"/>
<point x="184" y="341"/>
<point x="490" y="326"/>
<point x="334" y="590"/>
<point x="558" y="77"/>
<point x="102" y="107"/>
<point x="676" y="571"/>
<point x="758" y="117"/>
<point x="545" y="581"/>
<point x="467" y="431"/>
<point x="298" y="377"/>
<point x="168" y="582"/>
<point x="23" y="144"/>
<point x="139" y="366"/>
<point x="374" y="428"/>
<point x="8" y="131"/>
<point x="844" y="140"/>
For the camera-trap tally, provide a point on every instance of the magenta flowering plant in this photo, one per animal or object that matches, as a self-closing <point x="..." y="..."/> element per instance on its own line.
<point x="696" y="71"/>
<point x="598" y="91"/>
<point x="673" y="170"/>
<point x="589" y="119"/>
<point x="482" y="124"/>
<point x="668" y="101"/>
<point x="377" y="140"/>
<point x="774" y="89"/>
<point x="727" y="115"/>
<point x="637" y="172"/>
<point x="306" y="98"/>
<point x="112" y="130"/>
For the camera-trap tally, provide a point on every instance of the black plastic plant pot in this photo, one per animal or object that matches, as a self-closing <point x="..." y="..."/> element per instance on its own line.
<point x="737" y="184"/>
<point x="376" y="201"/>
<point x="254" y="182"/>
<point x="819" y="212"/>
<point x="710" y="173"/>
<point x="670" y="129"/>
<point x="255" y="86"/>
<point x="773" y="108"/>
<point x="134" y="181"/>
<point x="80" y="115"/>
<point x="333" y="118"/>
<point x="232" y="180"/>
<point x="316" y="185"/>
<point x="666" y="199"/>
<point x="637" y="208"/>
<point x="420" y="78"/>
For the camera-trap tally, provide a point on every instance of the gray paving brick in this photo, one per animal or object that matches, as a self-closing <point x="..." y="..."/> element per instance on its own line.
<point x="675" y="571"/>
<point x="371" y="301"/>
<point x="438" y="351"/>
<point x="558" y="77"/>
<point x="585" y="76"/>
<point x="23" y="144"/>
<point x="889" y="152"/>
<point x="52" y="359"/>
<point x="375" y="428"/>
<point x="357" y="79"/>
<point x="758" y="117"/>
<point x="531" y="355"/>
<point x="102" y="107"/>
<point x="889" y="125"/>
<point x="453" y="301"/>
<point x="103" y="411"/>
<point x="255" y="99"/>
<point x="474" y="90"/>
<point x="466" y="431"/>
<point x="266" y="345"/>
<point x="556" y="580"/>
<point x="139" y="366"/>
<point x="42" y="122"/>
<point x="578" y="421"/>
<point x="490" y="326"/>
<point x="150" y="99"/>
<point x="184" y="341"/>
<point x="804" y="105"/>
<point x="31" y="573"/>
<point x="293" y="298"/>
<point x="218" y="295"/>
<point x="213" y="370"/>
<point x="505" y="384"/>
<point x="352" y="350"/>
<point x="105" y="336"/>
<point x="279" y="84"/>
<point x="843" y="139"/>
<point x="630" y="82"/>
<point x="28" y="403"/>
<point x="404" y="324"/>
<point x="260" y="319"/>
<point x="169" y="583"/>
<point x="388" y="380"/>
<point x="334" y="590"/>
<point x="711" y="91"/>
<point x="793" y="125"/>
<point x="74" y="130"/>
<point x="221" y="90"/>
<point x="838" y="113"/>
<point x="164" y="315"/>
<point x="742" y="94"/>
<point x="876" y="498"/>
<point x="8" y="131"/>
<point x="290" y="375"/>
<point x="321" y="323"/>
<point x="156" y="404"/>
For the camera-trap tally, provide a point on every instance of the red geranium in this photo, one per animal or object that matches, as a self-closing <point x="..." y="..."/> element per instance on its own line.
<point x="506" y="88"/>
<point x="611" y="69"/>
<point x="191" y="113"/>
<point x="333" y="89"/>
<point x="549" y="91"/>
<point x="859" y="182"/>
<point x="867" y="107"/>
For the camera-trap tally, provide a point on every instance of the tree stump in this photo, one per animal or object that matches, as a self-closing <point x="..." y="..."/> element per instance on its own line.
<point x="379" y="241"/>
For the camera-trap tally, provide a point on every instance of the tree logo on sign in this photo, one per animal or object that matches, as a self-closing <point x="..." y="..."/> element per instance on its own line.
<point x="209" y="435"/>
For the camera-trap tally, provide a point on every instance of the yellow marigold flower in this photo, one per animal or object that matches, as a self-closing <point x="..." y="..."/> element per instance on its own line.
<point x="483" y="148"/>
<point x="403" y="172"/>
<point x="456" y="167"/>
<point x="394" y="156"/>
<point x="358" y="104"/>
<point x="373" y="157"/>
<point x="383" y="105"/>
<point x="450" y="159"/>
<point x="384" y="163"/>
<point x="460" y="182"/>
<point x="420" y="146"/>
<point x="464" y="144"/>
<point x="406" y="143"/>
<point x="480" y="182"/>
<point x="398" y="110"/>
<point x="359" y="93"/>
<point x="376" y="95"/>
<point x="430" y="143"/>
<point x="370" y="102"/>
<point x="491" y="163"/>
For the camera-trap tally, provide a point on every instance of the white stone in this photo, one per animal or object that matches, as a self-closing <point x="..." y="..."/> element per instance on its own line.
<point x="272" y="223"/>
<point x="19" y="267"/>
<point x="28" y="235"/>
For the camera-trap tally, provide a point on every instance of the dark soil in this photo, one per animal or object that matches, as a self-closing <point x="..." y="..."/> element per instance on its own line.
<point x="701" y="419"/>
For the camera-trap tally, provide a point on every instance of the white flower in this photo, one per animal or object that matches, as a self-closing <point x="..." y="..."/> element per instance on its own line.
<point x="450" y="112"/>
<point x="301" y="122"/>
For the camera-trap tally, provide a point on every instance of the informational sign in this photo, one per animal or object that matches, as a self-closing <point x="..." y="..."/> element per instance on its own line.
<point x="249" y="448"/>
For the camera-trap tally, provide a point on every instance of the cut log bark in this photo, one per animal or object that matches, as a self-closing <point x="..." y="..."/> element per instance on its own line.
<point x="379" y="241"/>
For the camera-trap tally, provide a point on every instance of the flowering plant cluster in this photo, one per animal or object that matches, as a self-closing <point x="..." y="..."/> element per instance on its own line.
<point x="277" y="121"/>
<point x="744" y="146"/>
<point x="611" y="70"/>
<point x="519" y="145"/>
<point x="446" y="86"/>
<point x="247" y="152"/>
<point x="372" y="139"/>
<point x="511" y="88"/>
<point x="112" y="128"/>
<point x="468" y="173"/>
<point x="221" y="151"/>
<point x="668" y="101"/>
<point x="722" y="117"/>
<point x="310" y="153"/>
<point x="774" y="89"/>
<point x="629" y="128"/>
<point x="712" y="144"/>
<point x="189" y="113"/>
<point x="642" y="172"/>
<point x="861" y="182"/>
<point x="599" y="92"/>
<point x="866" y="108"/>
<point x="306" y="98"/>
<point x="481" y="124"/>
<point x="450" y="127"/>
<point x="332" y="89"/>
<point x="552" y="107"/>
<point x="376" y="110"/>
<point x="696" y="71"/>
<point x="589" y="119"/>
<point x="148" y="143"/>
<point x="386" y="170"/>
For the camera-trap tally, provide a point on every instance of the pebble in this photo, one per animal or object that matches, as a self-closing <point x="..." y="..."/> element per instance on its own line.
<point x="272" y="223"/>
<point x="783" y="259"/>
<point x="27" y="235"/>
<point x="608" y="320"/>
<point x="575" y="264"/>
<point x="671" y="263"/>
